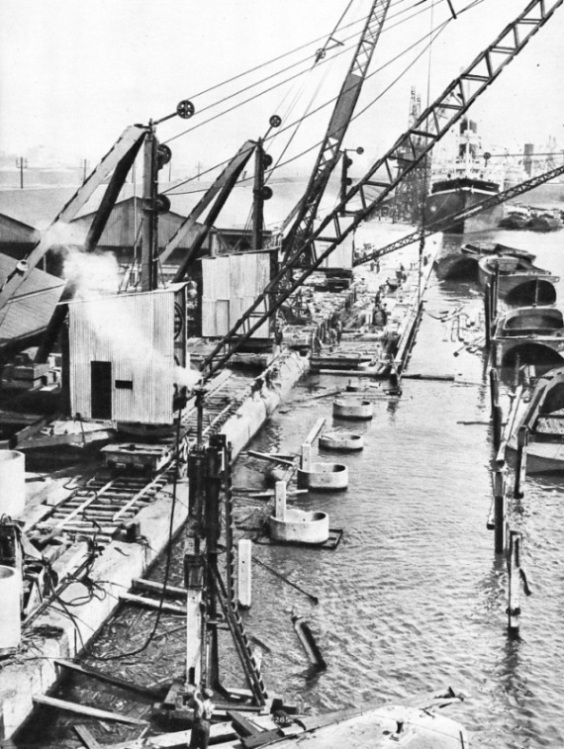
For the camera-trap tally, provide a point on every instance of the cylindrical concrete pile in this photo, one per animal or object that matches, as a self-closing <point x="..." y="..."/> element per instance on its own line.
<point x="10" y="622"/>
<point x="355" y="409"/>
<point x="12" y="483"/>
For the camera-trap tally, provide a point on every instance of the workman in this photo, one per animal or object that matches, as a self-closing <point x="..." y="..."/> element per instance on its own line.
<point x="203" y="707"/>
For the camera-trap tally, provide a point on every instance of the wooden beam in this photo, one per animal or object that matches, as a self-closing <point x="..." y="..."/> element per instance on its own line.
<point x="110" y="679"/>
<point x="272" y="458"/>
<point x="86" y="737"/>
<point x="317" y="427"/>
<point x="179" y="739"/>
<point x="156" y="587"/>
<point x="150" y="603"/>
<point x="93" y="712"/>
<point x="243" y="725"/>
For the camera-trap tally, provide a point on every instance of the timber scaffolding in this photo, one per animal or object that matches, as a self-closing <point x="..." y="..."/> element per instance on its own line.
<point x="107" y="529"/>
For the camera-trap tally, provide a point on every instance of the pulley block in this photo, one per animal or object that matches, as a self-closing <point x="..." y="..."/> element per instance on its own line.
<point x="266" y="193"/>
<point x="185" y="109"/>
<point x="164" y="155"/>
<point x="162" y="204"/>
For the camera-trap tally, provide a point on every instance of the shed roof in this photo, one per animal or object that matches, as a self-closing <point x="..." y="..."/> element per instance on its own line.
<point x="37" y="207"/>
<point x="32" y="306"/>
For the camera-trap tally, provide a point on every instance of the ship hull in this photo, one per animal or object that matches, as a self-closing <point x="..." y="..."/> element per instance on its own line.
<point x="448" y="198"/>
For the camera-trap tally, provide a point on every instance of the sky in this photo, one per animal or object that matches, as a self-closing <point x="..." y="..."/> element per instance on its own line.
<point x="74" y="75"/>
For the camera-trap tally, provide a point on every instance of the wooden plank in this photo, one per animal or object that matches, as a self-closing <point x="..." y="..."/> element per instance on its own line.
<point x="86" y="737"/>
<point x="179" y="739"/>
<point x="218" y="732"/>
<point x="262" y="738"/>
<point x="93" y="712"/>
<point x="95" y="674"/>
<point x="272" y="458"/>
<point x="314" y="431"/>
<point x="353" y="372"/>
<point x="156" y="587"/>
<point x="243" y="725"/>
<point x="150" y="603"/>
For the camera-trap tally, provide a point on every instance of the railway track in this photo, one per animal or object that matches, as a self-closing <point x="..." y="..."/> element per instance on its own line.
<point x="103" y="507"/>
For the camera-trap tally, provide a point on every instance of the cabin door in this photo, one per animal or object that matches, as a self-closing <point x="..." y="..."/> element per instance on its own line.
<point x="101" y="389"/>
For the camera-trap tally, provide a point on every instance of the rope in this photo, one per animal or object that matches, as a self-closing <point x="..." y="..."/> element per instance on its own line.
<point x="316" y="145"/>
<point x="318" y="109"/>
<point x="291" y="78"/>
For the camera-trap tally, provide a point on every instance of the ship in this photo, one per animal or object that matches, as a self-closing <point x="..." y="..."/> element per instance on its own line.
<point x="460" y="184"/>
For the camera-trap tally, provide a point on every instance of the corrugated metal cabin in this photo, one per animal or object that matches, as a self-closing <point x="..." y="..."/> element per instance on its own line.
<point x="341" y="258"/>
<point x="231" y="283"/>
<point x="124" y="355"/>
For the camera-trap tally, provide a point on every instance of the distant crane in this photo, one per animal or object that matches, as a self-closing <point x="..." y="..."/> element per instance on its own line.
<point x="411" y="191"/>
<point x="299" y="222"/>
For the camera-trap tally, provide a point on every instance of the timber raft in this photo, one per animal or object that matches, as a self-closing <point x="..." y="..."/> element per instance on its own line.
<point x="111" y="526"/>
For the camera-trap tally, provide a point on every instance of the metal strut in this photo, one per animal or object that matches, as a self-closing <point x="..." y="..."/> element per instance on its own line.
<point x="428" y="129"/>
<point x="455" y="218"/>
<point x="242" y="644"/>
<point x="216" y="195"/>
<point x="229" y="529"/>
<point x="329" y="153"/>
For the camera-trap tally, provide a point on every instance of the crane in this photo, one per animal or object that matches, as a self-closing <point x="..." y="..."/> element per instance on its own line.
<point x="389" y="170"/>
<point x="299" y="222"/>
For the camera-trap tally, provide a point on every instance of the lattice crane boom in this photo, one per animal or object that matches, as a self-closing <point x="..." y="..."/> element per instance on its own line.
<point x="300" y="220"/>
<point x="390" y="169"/>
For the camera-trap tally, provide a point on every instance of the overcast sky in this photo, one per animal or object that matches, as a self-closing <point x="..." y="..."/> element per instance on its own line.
<point x="75" y="73"/>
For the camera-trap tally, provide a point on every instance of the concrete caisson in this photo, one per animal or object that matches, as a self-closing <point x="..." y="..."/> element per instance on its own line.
<point x="324" y="477"/>
<point x="300" y="526"/>
<point x="10" y="622"/>
<point x="12" y="483"/>
<point x="341" y="441"/>
<point x="355" y="409"/>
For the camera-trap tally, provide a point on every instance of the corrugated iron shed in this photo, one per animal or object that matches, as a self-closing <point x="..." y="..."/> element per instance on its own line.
<point x="231" y="283"/>
<point x="122" y="356"/>
<point x="31" y="309"/>
<point x="123" y="225"/>
<point x="14" y="232"/>
<point x="35" y="207"/>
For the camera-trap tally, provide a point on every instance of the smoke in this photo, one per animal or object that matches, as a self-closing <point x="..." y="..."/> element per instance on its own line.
<point x="92" y="273"/>
<point x="117" y="323"/>
<point x="187" y="378"/>
<point x="62" y="236"/>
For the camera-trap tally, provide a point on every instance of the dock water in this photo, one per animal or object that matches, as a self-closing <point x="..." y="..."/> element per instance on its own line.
<point x="413" y="599"/>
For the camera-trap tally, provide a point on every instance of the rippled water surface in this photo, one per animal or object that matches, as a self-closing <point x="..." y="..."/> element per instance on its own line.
<point x="414" y="598"/>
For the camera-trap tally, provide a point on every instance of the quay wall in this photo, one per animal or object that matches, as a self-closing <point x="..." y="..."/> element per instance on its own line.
<point x="244" y="424"/>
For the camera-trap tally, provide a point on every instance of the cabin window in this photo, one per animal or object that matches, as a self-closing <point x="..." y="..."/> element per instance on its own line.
<point x="124" y="384"/>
